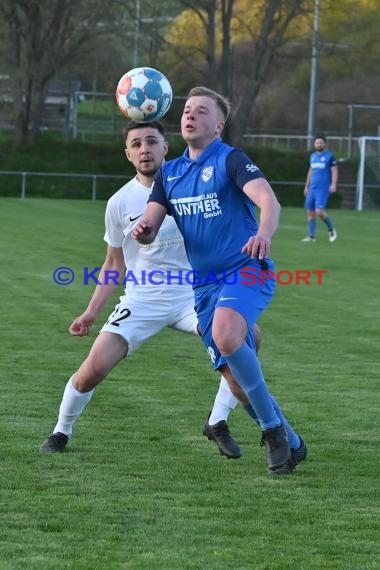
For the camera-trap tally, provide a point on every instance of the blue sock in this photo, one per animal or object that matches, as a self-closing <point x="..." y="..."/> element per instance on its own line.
<point x="294" y="440"/>
<point x="246" y="369"/>
<point x="312" y="226"/>
<point x="329" y="224"/>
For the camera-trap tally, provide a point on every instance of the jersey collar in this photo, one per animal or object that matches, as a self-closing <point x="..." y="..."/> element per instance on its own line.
<point x="206" y="153"/>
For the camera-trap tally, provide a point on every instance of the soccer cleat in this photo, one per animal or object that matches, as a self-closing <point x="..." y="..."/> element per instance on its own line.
<point x="300" y="454"/>
<point x="296" y="456"/>
<point x="332" y="235"/>
<point x="309" y="239"/>
<point x="55" y="443"/>
<point x="221" y="434"/>
<point x="277" y="447"/>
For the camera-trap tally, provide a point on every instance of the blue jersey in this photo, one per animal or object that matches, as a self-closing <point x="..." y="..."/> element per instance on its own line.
<point x="212" y="212"/>
<point x="320" y="164"/>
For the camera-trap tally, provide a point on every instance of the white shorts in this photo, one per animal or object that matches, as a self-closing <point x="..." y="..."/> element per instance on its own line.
<point x="137" y="319"/>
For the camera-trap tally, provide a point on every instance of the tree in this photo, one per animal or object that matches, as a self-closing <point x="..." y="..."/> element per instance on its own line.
<point x="45" y="37"/>
<point x="215" y="17"/>
<point x="349" y="71"/>
<point x="266" y="41"/>
<point x="254" y="31"/>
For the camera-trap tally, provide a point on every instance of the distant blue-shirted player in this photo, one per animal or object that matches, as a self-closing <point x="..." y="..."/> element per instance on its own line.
<point x="211" y="191"/>
<point x="321" y="181"/>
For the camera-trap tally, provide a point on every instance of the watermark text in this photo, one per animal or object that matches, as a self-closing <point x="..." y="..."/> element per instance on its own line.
<point x="245" y="276"/>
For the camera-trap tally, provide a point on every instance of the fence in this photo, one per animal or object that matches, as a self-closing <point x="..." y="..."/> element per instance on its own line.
<point x="88" y="114"/>
<point x="338" y="144"/>
<point x="289" y="193"/>
<point x="92" y="178"/>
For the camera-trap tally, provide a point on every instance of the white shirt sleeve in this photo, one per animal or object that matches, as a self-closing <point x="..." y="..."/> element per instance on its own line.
<point x="114" y="234"/>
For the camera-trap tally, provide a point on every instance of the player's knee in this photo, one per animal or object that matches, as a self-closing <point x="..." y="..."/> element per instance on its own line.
<point x="229" y="338"/>
<point x="229" y="330"/>
<point x="89" y="375"/>
<point x="227" y="343"/>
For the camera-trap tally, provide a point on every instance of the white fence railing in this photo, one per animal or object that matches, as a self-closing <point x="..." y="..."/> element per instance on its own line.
<point x="338" y="144"/>
<point x="92" y="191"/>
<point x="87" y="129"/>
<point x="92" y="178"/>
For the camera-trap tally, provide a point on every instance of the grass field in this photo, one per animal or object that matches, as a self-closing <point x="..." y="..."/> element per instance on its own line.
<point x="139" y="486"/>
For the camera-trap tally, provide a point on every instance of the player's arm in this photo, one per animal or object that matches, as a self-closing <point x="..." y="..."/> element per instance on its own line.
<point x="156" y="209"/>
<point x="261" y="193"/>
<point x="110" y="276"/>
<point x="147" y="228"/>
<point x="334" y="178"/>
<point x="307" y="183"/>
<point x="248" y="177"/>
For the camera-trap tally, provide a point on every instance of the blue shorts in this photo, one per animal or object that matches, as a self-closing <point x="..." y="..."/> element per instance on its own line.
<point x="317" y="199"/>
<point x="249" y="295"/>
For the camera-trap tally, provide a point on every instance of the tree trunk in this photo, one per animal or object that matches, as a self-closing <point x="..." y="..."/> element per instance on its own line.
<point x="211" y="55"/>
<point x="224" y="75"/>
<point x="45" y="36"/>
<point x="36" y="111"/>
<point x="274" y="25"/>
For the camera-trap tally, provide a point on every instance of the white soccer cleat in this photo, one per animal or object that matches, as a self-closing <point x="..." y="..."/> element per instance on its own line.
<point x="332" y="236"/>
<point x="308" y="239"/>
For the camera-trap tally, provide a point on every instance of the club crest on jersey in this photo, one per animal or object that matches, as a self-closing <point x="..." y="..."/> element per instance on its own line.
<point x="207" y="173"/>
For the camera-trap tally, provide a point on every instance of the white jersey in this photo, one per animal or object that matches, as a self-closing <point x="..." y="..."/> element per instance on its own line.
<point x="150" y="267"/>
<point x="147" y="308"/>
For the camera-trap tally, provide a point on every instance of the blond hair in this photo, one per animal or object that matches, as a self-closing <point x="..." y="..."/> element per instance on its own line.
<point x="223" y="103"/>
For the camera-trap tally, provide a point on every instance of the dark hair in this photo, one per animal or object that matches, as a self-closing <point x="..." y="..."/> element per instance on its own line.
<point x="135" y="125"/>
<point x="320" y="137"/>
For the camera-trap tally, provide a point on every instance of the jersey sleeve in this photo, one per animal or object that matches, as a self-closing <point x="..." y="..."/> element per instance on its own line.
<point x="114" y="230"/>
<point x="333" y="161"/>
<point x="241" y="169"/>
<point x="158" y="193"/>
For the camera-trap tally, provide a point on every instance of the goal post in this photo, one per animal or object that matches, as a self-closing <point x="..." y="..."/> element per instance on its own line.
<point x="368" y="181"/>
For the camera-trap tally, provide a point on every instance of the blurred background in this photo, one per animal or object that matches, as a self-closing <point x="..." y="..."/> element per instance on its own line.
<point x="291" y="69"/>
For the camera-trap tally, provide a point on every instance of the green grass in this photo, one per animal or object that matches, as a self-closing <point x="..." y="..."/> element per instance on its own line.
<point x="95" y="107"/>
<point x="139" y="486"/>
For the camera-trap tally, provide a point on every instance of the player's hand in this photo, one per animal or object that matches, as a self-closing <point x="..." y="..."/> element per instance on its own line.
<point x="332" y="189"/>
<point x="305" y="191"/>
<point x="81" y="326"/>
<point x="142" y="228"/>
<point x="258" y="247"/>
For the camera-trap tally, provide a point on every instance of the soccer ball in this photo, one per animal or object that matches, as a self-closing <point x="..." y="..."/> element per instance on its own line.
<point x="144" y="94"/>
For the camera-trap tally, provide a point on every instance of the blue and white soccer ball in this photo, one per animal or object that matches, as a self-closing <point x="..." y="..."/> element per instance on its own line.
<point x="144" y="94"/>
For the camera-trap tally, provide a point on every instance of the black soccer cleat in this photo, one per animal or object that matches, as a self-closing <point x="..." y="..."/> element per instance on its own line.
<point x="55" y="443"/>
<point x="300" y="454"/>
<point x="296" y="456"/>
<point x="277" y="447"/>
<point x="221" y="434"/>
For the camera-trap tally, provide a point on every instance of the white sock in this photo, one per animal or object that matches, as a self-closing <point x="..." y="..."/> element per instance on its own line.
<point x="72" y="405"/>
<point x="224" y="402"/>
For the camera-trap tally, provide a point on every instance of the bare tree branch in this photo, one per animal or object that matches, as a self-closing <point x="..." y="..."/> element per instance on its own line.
<point x="47" y="35"/>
